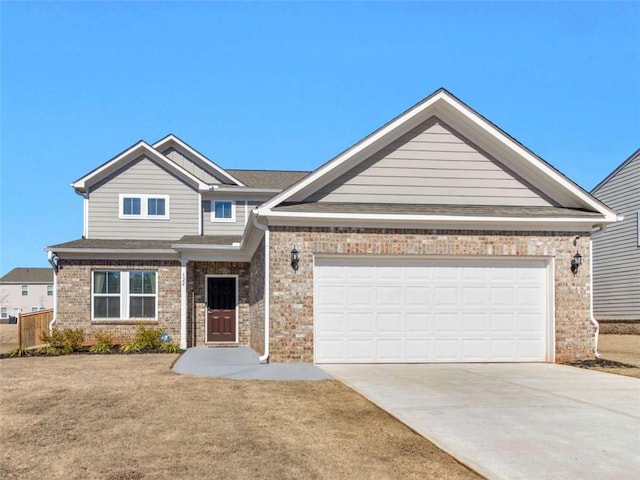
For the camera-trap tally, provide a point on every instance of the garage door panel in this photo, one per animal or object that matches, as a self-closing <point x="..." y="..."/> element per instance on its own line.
<point x="368" y="310"/>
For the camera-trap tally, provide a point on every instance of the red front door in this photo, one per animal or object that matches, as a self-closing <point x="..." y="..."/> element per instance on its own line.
<point x="221" y="309"/>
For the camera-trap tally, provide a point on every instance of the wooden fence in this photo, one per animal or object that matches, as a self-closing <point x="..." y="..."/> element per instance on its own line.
<point x="31" y="326"/>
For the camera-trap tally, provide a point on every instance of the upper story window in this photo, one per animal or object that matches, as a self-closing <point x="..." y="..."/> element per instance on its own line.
<point x="223" y="211"/>
<point x="49" y="290"/>
<point x="25" y="290"/>
<point x="144" y="206"/>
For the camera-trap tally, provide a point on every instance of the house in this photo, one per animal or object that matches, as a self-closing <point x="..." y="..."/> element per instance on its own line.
<point x="25" y="290"/>
<point x="436" y="238"/>
<point x="616" y="251"/>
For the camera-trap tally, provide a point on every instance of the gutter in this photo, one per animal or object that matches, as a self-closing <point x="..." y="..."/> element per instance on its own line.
<point x="264" y="358"/>
<point x="53" y="260"/>
<point x="591" y="317"/>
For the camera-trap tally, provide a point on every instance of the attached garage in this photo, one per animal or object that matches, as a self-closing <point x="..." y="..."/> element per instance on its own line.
<point x="411" y="310"/>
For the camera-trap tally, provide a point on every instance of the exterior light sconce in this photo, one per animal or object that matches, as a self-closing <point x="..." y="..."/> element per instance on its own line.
<point x="295" y="259"/>
<point x="576" y="261"/>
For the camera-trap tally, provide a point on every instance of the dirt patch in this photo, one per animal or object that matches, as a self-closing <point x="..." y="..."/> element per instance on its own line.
<point x="8" y="337"/>
<point x="128" y="416"/>
<point x="619" y="354"/>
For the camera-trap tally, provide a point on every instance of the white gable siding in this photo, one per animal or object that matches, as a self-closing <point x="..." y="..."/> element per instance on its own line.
<point x="616" y="254"/>
<point x="431" y="165"/>
<point x="142" y="177"/>
<point x="190" y="166"/>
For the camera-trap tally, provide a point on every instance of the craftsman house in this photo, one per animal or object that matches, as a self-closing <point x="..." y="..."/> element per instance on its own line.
<point x="437" y="238"/>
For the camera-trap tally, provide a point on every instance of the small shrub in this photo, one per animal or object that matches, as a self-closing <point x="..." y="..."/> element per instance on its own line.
<point x="168" y="347"/>
<point x="49" y="350"/>
<point x="19" y="352"/>
<point x="73" y="340"/>
<point x="130" y="347"/>
<point x="148" y="338"/>
<point x="55" y="338"/>
<point x="103" y="342"/>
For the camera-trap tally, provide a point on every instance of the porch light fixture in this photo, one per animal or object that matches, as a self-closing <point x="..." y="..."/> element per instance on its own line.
<point x="576" y="261"/>
<point x="295" y="259"/>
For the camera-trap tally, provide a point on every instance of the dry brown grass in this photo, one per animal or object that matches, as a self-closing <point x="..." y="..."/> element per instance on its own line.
<point x="620" y="348"/>
<point x="8" y="337"/>
<point x="129" y="417"/>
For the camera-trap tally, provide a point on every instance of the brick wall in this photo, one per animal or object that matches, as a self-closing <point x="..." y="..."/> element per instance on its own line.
<point x="291" y="294"/>
<point x="74" y="297"/>
<point x="256" y="300"/>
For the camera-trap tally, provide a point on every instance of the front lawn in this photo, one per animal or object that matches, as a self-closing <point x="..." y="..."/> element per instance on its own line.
<point x="129" y="417"/>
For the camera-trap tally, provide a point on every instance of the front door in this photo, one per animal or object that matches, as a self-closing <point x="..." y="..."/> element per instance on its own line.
<point x="221" y="309"/>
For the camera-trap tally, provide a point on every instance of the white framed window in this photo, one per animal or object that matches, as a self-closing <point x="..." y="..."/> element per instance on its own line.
<point x="223" y="211"/>
<point x="25" y="290"/>
<point x="134" y="205"/>
<point x="34" y="309"/>
<point x="4" y="312"/>
<point x="124" y="295"/>
<point x="49" y="290"/>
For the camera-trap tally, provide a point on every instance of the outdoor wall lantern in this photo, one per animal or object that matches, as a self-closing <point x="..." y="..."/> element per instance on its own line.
<point x="576" y="261"/>
<point x="295" y="258"/>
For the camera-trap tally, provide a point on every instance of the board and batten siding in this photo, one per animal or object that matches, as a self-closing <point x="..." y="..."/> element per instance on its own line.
<point x="190" y="166"/>
<point x="616" y="251"/>
<point x="431" y="164"/>
<point x="143" y="176"/>
<point x="227" y="228"/>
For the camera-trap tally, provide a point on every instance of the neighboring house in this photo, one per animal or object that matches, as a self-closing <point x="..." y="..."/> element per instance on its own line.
<point x="437" y="238"/>
<point x="25" y="290"/>
<point x="616" y="251"/>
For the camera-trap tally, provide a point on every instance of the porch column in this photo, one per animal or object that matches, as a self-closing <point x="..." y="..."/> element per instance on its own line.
<point x="183" y="303"/>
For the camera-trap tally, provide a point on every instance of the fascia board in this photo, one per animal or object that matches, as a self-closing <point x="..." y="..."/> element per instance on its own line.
<point x="431" y="221"/>
<point x="369" y="142"/>
<point x="127" y="156"/>
<point x="204" y="161"/>
<point x="115" y="251"/>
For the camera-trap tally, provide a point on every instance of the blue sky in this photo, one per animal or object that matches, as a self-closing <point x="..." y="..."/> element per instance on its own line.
<point x="289" y="85"/>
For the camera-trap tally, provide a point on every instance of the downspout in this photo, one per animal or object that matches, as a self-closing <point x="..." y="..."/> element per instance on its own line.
<point x="183" y="304"/>
<point x="53" y="260"/>
<point x="265" y="358"/>
<point x="591" y="317"/>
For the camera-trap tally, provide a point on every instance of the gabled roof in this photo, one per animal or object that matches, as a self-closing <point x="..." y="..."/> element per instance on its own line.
<point x="620" y="167"/>
<point x="477" y="129"/>
<point x="171" y="141"/>
<point x="131" y="154"/>
<point x="29" y="275"/>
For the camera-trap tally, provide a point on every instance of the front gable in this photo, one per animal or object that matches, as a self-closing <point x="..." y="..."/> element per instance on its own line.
<point x="430" y="164"/>
<point x="438" y="152"/>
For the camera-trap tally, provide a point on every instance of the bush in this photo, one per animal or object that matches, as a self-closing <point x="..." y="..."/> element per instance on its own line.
<point x="148" y="339"/>
<point x="103" y="342"/>
<point x="168" y="347"/>
<point x="130" y="347"/>
<point x="19" y="352"/>
<point x="62" y="341"/>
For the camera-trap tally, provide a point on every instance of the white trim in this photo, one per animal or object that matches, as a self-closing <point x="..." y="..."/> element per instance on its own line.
<point x="246" y="212"/>
<point x="85" y="214"/>
<point x="129" y="155"/>
<point x="215" y="219"/>
<point x="200" y="225"/>
<point x="206" y="303"/>
<point x="183" y="304"/>
<point x="201" y="159"/>
<point x="591" y="316"/>
<point x="638" y="225"/>
<point x="144" y="206"/>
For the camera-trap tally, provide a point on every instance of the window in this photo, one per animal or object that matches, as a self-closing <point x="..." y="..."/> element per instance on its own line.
<point x="124" y="295"/>
<point x="25" y="290"/>
<point x="223" y="211"/>
<point x="34" y="309"/>
<point x="4" y="312"/>
<point x="144" y="206"/>
<point x="50" y="290"/>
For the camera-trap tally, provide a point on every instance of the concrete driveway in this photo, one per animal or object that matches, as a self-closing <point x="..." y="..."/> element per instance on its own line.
<point x="513" y="421"/>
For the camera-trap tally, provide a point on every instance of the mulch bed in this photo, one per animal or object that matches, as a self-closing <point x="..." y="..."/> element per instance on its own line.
<point x="600" y="362"/>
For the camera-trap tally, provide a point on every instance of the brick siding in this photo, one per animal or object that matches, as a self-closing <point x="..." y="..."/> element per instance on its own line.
<point x="291" y="293"/>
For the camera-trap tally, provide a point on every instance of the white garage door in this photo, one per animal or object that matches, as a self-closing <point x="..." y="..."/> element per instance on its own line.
<point x="406" y="310"/>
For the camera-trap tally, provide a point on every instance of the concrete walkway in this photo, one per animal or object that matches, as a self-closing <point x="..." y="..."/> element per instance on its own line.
<point x="514" y="421"/>
<point x="241" y="363"/>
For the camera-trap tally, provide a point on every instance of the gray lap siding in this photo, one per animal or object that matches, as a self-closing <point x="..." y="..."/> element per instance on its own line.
<point x="291" y="293"/>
